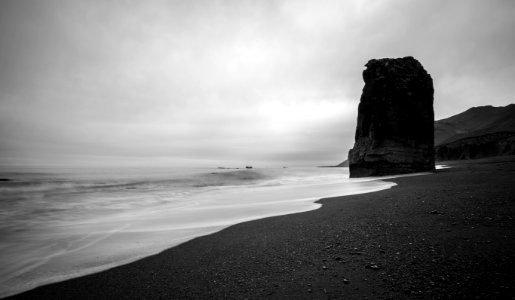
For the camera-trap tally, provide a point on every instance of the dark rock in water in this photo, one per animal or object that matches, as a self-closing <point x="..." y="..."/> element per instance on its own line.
<point x="5" y="179"/>
<point x="395" y="128"/>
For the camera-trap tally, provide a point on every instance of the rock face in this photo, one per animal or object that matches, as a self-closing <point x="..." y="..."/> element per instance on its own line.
<point x="395" y="131"/>
<point x="493" y="144"/>
<point x="479" y="132"/>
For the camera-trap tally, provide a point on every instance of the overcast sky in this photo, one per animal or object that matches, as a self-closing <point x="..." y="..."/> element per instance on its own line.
<point x="208" y="83"/>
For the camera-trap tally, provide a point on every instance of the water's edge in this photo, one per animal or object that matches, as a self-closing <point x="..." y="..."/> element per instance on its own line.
<point x="309" y="204"/>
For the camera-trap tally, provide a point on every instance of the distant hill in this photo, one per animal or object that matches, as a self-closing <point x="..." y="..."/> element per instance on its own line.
<point x="476" y="121"/>
<point x="342" y="164"/>
<point x="478" y="132"/>
<point x="345" y="163"/>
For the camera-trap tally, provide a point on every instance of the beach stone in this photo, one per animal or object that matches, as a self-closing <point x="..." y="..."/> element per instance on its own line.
<point x="372" y="266"/>
<point x="395" y="128"/>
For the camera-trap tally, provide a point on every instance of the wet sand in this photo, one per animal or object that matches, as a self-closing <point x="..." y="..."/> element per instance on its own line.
<point x="448" y="235"/>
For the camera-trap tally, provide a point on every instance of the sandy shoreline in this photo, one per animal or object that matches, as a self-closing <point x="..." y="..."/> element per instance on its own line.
<point x="445" y="235"/>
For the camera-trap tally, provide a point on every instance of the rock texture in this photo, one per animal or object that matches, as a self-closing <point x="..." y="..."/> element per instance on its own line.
<point x="395" y="130"/>
<point x="488" y="145"/>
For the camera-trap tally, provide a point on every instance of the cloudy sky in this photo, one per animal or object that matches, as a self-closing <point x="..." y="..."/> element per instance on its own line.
<point x="234" y="82"/>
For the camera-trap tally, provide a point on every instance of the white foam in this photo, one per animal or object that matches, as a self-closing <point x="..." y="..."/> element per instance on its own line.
<point x="72" y="249"/>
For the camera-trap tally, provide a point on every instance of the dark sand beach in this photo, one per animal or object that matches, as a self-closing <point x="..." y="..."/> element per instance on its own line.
<point x="448" y="235"/>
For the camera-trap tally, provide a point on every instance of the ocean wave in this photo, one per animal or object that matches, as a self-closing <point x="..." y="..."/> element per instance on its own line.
<point x="229" y="178"/>
<point x="41" y="215"/>
<point x="42" y="184"/>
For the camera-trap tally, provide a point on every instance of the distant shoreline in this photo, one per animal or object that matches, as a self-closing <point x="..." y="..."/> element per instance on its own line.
<point x="448" y="234"/>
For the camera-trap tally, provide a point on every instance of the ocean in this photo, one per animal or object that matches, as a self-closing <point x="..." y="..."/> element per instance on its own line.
<point x="59" y="224"/>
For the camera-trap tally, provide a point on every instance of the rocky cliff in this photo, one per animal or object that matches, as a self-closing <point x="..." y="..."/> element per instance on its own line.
<point x="478" y="132"/>
<point x="395" y="130"/>
<point x="493" y="144"/>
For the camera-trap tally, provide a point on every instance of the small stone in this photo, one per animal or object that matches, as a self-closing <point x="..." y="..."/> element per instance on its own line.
<point x="434" y="212"/>
<point x="324" y="267"/>
<point x="346" y="281"/>
<point x="373" y="266"/>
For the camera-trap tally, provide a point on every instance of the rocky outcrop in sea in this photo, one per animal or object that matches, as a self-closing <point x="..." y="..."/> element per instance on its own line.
<point x="395" y="130"/>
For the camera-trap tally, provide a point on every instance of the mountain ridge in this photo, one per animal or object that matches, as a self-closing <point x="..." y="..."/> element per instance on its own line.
<point x="478" y="132"/>
<point x="475" y="121"/>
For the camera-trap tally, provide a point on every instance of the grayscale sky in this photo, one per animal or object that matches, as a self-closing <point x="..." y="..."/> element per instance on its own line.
<point x="230" y="83"/>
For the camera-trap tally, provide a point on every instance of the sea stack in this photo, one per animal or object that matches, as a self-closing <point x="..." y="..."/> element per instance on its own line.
<point x="395" y="130"/>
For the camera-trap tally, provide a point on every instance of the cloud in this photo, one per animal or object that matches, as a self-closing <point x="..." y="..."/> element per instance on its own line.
<point x="211" y="82"/>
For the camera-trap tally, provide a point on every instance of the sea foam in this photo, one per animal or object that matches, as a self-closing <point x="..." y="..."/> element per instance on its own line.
<point x="59" y="225"/>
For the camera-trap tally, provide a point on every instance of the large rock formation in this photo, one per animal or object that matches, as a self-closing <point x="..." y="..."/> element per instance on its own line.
<point x="395" y="128"/>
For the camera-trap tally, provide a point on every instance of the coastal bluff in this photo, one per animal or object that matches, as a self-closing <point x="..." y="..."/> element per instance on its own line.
<point x="395" y="128"/>
<point x="479" y="132"/>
